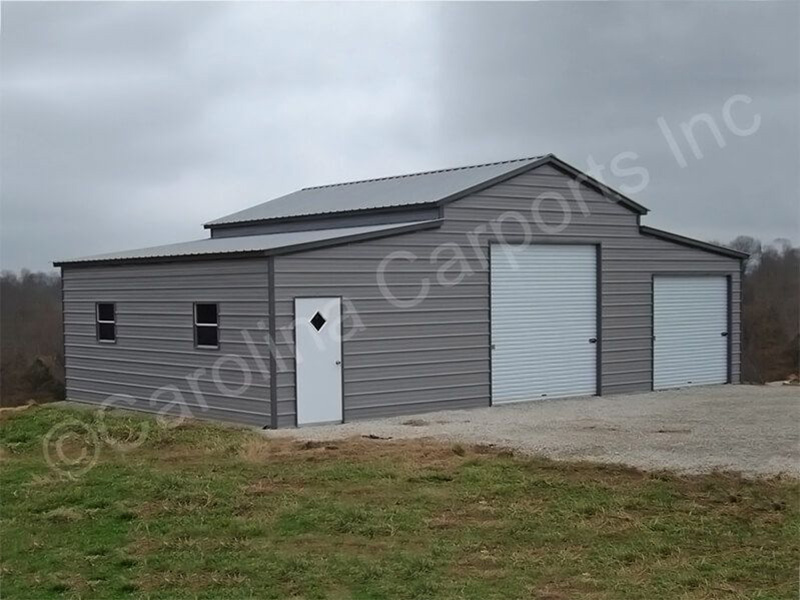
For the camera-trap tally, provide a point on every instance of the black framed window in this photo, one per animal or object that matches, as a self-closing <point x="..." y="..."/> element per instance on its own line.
<point x="206" y="325"/>
<point x="106" y="321"/>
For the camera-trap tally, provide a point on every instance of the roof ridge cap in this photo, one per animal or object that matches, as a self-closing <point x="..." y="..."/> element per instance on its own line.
<point x="419" y="173"/>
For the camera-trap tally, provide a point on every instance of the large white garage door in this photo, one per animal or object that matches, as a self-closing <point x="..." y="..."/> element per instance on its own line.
<point x="690" y="325"/>
<point x="544" y="322"/>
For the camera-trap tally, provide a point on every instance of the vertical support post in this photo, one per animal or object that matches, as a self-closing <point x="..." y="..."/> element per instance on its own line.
<point x="599" y="318"/>
<point x="729" y="327"/>
<point x="273" y="336"/>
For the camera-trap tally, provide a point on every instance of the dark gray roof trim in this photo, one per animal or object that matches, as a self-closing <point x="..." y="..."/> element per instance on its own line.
<point x="405" y="191"/>
<point x="252" y="245"/>
<point x="598" y="186"/>
<point x="691" y="242"/>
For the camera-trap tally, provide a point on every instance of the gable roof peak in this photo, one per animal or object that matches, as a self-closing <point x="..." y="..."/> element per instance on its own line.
<point x="431" y="172"/>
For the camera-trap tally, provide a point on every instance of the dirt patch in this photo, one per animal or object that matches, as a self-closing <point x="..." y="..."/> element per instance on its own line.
<point x="256" y="449"/>
<point x="311" y="445"/>
<point x="9" y="411"/>
<point x="419" y="452"/>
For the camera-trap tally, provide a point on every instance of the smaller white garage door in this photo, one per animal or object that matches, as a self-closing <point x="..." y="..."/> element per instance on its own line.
<point x="690" y="325"/>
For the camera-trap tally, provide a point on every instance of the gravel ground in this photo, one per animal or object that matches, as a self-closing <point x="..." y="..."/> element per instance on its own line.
<point x="751" y="429"/>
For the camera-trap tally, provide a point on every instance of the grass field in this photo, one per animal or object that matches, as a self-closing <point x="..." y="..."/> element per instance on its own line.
<point x="201" y="511"/>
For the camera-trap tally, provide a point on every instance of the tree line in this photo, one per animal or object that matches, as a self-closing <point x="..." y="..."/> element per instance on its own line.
<point x="31" y="343"/>
<point x="32" y="352"/>
<point x="770" y="310"/>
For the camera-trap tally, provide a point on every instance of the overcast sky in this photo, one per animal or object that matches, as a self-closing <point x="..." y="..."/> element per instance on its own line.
<point x="130" y="124"/>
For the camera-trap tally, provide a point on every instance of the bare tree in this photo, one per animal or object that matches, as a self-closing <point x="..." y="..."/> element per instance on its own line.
<point x="751" y="246"/>
<point x="770" y="310"/>
<point x="31" y="352"/>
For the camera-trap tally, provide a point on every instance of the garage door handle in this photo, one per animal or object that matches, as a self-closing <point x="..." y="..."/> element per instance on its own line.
<point x="592" y="340"/>
<point x="724" y="334"/>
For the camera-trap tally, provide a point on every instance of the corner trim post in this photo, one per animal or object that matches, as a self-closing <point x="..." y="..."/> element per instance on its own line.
<point x="273" y="362"/>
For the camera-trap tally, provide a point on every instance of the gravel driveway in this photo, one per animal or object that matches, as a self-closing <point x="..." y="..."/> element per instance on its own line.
<point x="752" y="429"/>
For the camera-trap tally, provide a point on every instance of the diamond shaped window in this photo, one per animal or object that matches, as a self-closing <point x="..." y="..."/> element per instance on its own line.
<point x="317" y="321"/>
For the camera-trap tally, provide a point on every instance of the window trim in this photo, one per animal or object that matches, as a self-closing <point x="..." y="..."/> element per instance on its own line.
<point x="196" y="325"/>
<point x="98" y="321"/>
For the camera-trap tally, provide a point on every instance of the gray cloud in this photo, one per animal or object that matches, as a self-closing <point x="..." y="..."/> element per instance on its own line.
<point x="130" y="124"/>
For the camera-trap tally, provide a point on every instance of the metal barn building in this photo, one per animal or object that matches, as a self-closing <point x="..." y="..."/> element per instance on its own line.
<point x="505" y="282"/>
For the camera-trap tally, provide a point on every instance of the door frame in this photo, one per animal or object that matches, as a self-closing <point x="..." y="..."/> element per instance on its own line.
<point x="728" y="319"/>
<point x="563" y="241"/>
<point x="294" y="344"/>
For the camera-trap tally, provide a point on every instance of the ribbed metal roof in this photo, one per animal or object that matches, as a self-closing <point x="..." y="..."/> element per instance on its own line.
<point x="401" y="190"/>
<point x="267" y="243"/>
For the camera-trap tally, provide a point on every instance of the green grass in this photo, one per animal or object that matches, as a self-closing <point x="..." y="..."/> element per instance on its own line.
<point x="200" y="511"/>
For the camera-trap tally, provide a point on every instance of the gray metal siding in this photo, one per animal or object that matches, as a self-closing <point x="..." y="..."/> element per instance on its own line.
<point x="436" y="355"/>
<point x="155" y="337"/>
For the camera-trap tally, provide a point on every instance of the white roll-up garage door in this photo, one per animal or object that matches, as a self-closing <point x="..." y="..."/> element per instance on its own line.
<point x="544" y="321"/>
<point x="690" y="325"/>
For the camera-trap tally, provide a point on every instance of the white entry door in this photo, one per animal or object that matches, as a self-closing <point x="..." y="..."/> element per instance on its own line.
<point x="544" y="321"/>
<point x="318" y="355"/>
<point x="690" y="329"/>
